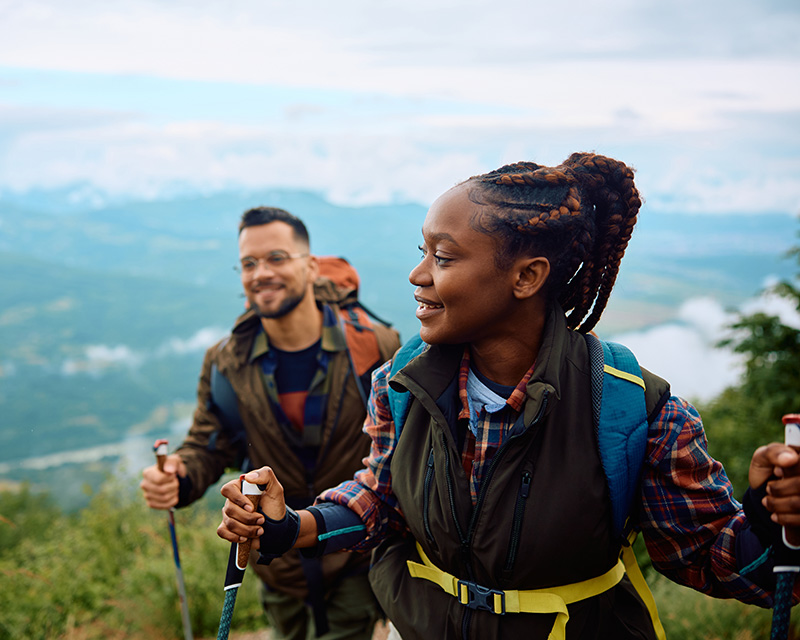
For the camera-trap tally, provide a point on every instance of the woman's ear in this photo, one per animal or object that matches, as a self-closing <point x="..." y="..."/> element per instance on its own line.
<point x="530" y="276"/>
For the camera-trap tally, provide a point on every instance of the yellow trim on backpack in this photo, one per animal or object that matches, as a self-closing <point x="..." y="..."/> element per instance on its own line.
<point x="639" y="583"/>
<point x="551" y="600"/>
<point x="619" y="373"/>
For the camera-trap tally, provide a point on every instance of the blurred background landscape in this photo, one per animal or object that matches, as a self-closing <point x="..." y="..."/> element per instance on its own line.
<point x="110" y="309"/>
<point x="133" y="135"/>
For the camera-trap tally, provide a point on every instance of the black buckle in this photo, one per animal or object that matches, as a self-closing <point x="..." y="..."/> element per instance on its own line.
<point x="481" y="598"/>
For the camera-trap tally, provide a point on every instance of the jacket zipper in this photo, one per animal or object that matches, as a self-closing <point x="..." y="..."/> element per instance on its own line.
<point x="450" y="497"/>
<point x="426" y="500"/>
<point x="519" y="513"/>
<point x="466" y="554"/>
<point x="493" y="465"/>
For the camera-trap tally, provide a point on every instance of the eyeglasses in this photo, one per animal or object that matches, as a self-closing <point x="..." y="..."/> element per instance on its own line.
<point x="273" y="260"/>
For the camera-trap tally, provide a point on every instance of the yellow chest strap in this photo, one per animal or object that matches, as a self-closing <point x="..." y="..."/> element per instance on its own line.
<point x="550" y="600"/>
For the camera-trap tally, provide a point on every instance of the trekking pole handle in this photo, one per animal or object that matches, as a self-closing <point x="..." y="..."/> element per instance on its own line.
<point x="253" y="493"/>
<point x="791" y="422"/>
<point x="160" y="449"/>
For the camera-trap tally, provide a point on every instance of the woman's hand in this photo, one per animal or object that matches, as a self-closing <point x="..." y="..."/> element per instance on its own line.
<point x="240" y="520"/>
<point x="779" y="466"/>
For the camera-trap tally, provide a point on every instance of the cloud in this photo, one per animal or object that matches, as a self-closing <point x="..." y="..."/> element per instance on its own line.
<point x="147" y="160"/>
<point x="7" y="369"/>
<point x="415" y="163"/>
<point x="349" y="43"/>
<point x="684" y="351"/>
<point x="397" y="101"/>
<point x="774" y="305"/>
<point x="200" y="341"/>
<point x="99" y="358"/>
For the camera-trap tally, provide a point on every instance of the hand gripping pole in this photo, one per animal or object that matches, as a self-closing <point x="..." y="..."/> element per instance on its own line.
<point x="160" y="449"/>
<point x="237" y="563"/>
<point x="787" y="559"/>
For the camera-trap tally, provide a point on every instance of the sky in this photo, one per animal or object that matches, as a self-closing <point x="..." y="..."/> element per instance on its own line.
<point x="370" y="102"/>
<point x="385" y="102"/>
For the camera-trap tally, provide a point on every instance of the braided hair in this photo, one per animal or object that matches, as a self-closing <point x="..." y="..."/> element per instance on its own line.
<point x="579" y="215"/>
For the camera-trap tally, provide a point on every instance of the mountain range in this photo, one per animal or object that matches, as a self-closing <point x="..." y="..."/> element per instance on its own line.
<point x="107" y="309"/>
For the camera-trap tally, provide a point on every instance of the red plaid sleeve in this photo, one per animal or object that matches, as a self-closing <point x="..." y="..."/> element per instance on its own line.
<point x="369" y="493"/>
<point x="690" y="518"/>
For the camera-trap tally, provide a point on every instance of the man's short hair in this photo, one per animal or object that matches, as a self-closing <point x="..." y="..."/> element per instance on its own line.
<point x="264" y="215"/>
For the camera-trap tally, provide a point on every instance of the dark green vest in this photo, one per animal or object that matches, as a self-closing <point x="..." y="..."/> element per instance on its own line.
<point x="543" y="516"/>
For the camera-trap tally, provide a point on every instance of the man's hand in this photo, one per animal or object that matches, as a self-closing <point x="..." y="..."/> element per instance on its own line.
<point x="160" y="488"/>
<point x="240" y="521"/>
<point x="779" y="466"/>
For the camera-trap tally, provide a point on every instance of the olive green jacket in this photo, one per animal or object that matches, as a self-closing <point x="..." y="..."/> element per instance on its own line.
<point x="543" y="515"/>
<point x="208" y="451"/>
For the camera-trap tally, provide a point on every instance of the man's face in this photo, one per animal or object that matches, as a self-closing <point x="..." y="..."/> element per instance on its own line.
<point x="276" y="268"/>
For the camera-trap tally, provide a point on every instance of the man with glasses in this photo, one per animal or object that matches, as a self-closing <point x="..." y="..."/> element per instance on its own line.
<point x="301" y="411"/>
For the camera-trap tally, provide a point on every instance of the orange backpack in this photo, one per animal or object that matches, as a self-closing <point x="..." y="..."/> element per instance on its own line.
<point x="338" y="286"/>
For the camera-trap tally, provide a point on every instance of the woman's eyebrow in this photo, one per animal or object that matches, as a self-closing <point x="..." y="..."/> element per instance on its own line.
<point x="438" y="237"/>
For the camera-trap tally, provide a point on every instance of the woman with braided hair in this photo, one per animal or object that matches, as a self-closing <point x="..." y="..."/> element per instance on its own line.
<point x="492" y="496"/>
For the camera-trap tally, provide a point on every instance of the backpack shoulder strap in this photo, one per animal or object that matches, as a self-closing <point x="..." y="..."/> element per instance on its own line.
<point x="621" y="421"/>
<point x="224" y="404"/>
<point x="399" y="401"/>
<point x="620" y="415"/>
<point x="367" y="348"/>
<point x="223" y="398"/>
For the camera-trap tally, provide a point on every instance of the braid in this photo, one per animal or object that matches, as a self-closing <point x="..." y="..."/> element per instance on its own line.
<point x="616" y="203"/>
<point x="580" y="215"/>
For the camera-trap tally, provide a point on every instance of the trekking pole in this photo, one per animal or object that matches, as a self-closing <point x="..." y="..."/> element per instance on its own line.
<point x="788" y="566"/>
<point x="237" y="563"/>
<point x="160" y="449"/>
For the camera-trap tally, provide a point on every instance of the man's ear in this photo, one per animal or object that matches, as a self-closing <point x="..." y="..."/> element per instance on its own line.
<point x="313" y="267"/>
<point x="530" y="276"/>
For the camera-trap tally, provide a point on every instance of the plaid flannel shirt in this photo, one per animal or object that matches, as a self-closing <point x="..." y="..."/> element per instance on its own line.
<point x="331" y="341"/>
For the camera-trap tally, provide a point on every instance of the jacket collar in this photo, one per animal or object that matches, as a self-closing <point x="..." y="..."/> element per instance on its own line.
<point x="429" y="375"/>
<point x="249" y="340"/>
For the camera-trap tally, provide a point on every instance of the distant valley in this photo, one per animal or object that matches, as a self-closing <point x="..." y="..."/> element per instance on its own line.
<point x="105" y="313"/>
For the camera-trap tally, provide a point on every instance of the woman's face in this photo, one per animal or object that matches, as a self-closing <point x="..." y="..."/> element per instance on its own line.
<point x="463" y="297"/>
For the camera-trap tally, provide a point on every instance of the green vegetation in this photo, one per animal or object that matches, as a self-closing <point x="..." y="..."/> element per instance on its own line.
<point x="749" y="415"/>
<point x="107" y="572"/>
<point x="53" y="397"/>
<point x="689" y="615"/>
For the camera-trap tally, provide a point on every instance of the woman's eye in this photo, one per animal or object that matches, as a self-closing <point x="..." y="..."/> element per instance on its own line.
<point x="439" y="260"/>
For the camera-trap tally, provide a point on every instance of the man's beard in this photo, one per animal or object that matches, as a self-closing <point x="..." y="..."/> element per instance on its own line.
<point x="287" y="306"/>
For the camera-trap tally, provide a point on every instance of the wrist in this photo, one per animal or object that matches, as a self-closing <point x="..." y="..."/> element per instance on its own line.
<point x="307" y="536"/>
<point x="279" y="535"/>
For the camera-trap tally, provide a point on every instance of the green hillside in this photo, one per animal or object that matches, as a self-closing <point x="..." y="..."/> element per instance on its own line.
<point x="104" y="314"/>
<point x="52" y="396"/>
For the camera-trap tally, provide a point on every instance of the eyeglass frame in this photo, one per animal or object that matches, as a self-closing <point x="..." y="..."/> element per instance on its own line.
<point x="273" y="260"/>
